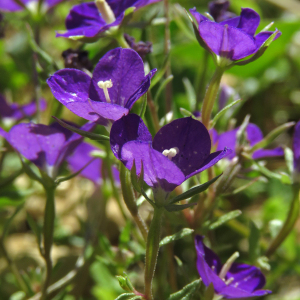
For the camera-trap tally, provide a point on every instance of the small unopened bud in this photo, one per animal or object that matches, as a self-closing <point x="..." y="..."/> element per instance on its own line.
<point x="105" y="10"/>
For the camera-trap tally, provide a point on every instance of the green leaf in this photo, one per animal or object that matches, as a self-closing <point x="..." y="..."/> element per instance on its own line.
<point x="179" y="235"/>
<point x="35" y="228"/>
<point x="253" y="242"/>
<point x="144" y="106"/>
<point x="30" y="173"/>
<point x="160" y="73"/>
<point x="225" y="218"/>
<point x="6" y="201"/>
<point x="193" y="191"/>
<point x="125" y="283"/>
<point x="187" y="291"/>
<point x="125" y="296"/>
<point x="90" y="135"/>
<point x="288" y="225"/>
<point x="271" y="136"/>
<point x="289" y="159"/>
<point x="263" y="262"/>
<point x="175" y="207"/>
<point x="190" y="92"/>
<point x="241" y="133"/>
<point x="186" y="113"/>
<point x="162" y="86"/>
<point x="223" y="111"/>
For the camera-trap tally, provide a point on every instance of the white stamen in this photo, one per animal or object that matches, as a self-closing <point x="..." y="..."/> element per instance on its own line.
<point x="105" y="85"/>
<point x="170" y="153"/>
<point x="105" y="10"/>
<point x="228" y="281"/>
<point x="228" y="265"/>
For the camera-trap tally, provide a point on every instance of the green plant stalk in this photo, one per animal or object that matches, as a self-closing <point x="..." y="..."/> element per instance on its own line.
<point x="48" y="231"/>
<point x="152" y="249"/>
<point x="121" y="40"/>
<point x="288" y="225"/>
<point x="210" y="96"/>
<point x="130" y="201"/>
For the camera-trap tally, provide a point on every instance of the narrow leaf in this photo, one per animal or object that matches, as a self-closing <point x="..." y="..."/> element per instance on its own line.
<point x="175" y="207"/>
<point x="162" y="86"/>
<point x="287" y="226"/>
<point x="193" y="191"/>
<point x="186" y="113"/>
<point x="271" y="136"/>
<point x="253" y="242"/>
<point x="190" y="92"/>
<point x="225" y="218"/>
<point x="90" y="135"/>
<point x="209" y="293"/>
<point x="223" y="111"/>
<point x="187" y="290"/>
<point x="134" y="178"/>
<point x="144" y="106"/>
<point x="35" y="228"/>
<point x="125" y="296"/>
<point x="161" y="72"/>
<point x="179" y="235"/>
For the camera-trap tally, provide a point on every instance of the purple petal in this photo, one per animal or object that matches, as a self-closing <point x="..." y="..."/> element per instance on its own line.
<point x="39" y="143"/>
<point x="254" y="134"/>
<point x="263" y="153"/>
<point x="214" y="135"/>
<point x="128" y="128"/>
<point x="228" y="139"/>
<point x="246" y="277"/>
<point x="206" y="259"/>
<point x="125" y="68"/>
<point x="159" y="171"/>
<point x="70" y="87"/>
<point x="198" y="17"/>
<point x="296" y="147"/>
<point x="80" y="157"/>
<point x="212" y="159"/>
<point x="249" y="21"/>
<point x="263" y="36"/>
<point x="190" y="137"/>
<point x="227" y="41"/>
<point x="234" y="22"/>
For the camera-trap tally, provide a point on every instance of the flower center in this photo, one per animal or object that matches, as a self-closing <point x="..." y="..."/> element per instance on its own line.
<point x="226" y="267"/>
<point x="170" y="153"/>
<point x="106" y="12"/>
<point x="105" y="85"/>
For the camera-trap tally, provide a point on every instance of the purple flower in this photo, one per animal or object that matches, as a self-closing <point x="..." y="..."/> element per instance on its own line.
<point x="118" y="81"/>
<point x="254" y="135"/>
<point x="12" y="6"/>
<point x="91" y="19"/>
<point x="46" y="146"/>
<point x="232" y="39"/>
<point x="82" y="156"/>
<point x="231" y="280"/>
<point x="17" y="112"/>
<point x="178" y="151"/>
<point x="296" y="148"/>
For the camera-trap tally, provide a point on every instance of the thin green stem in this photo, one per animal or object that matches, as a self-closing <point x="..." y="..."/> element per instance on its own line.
<point x="130" y="201"/>
<point x="201" y="79"/>
<point x="210" y="96"/>
<point x="48" y="232"/>
<point x="152" y="249"/>
<point x="121" y="40"/>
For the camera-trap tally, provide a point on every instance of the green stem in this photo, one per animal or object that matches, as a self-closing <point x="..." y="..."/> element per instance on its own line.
<point x="201" y="79"/>
<point x="121" y="40"/>
<point x="48" y="231"/>
<point x="152" y="248"/>
<point x="210" y="96"/>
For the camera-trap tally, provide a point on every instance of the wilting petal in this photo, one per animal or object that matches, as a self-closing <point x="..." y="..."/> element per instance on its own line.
<point x="159" y="171"/>
<point x="192" y="140"/>
<point x="237" y="46"/>
<point x="211" y="160"/>
<point x="128" y="128"/>
<point x="296" y="147"/>
<point x="125" y="68"/>
<point x="249" y="21"/>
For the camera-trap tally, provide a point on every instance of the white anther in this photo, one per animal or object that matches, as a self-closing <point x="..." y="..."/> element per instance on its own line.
<point x="226" y="267"/>
<point x="170" y="153"/>
<point x="105" y="10"/>
<point x="105" y="85"/>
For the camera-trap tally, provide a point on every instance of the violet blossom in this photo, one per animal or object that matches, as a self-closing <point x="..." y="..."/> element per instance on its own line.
<point x="82" y="156"/>
<point x="16" y="112"/>
<point x="296" y="148"/>
<point x="46" y="146"/>
<point x="117" y="83"/>
<point x="219" y="10"/>
<point x="12" y="6"/>
<point x="231" y="280"/>
<point x="232" y="39"/>
<point x="91" y="19"/>
<point x="254" y="135"/>
<point x="178" y="151"/>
